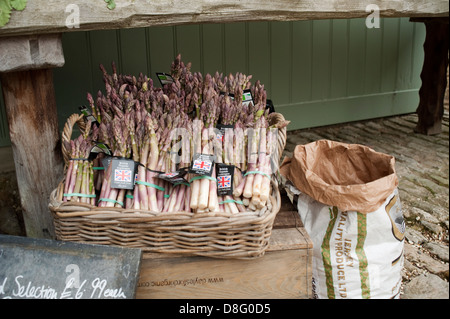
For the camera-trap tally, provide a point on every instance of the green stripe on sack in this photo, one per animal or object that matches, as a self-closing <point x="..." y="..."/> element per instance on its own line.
<point x="326" y="253"/>
<point x="363" y="269"/>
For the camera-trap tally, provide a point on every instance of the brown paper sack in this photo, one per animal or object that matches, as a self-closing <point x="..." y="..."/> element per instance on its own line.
<point x="351" y="177"/>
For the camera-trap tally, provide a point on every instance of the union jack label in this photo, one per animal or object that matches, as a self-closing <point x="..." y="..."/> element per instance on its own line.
<point x="122" y="175"/>
<point x="203" y="165"/>
<point x="224" y="181"/>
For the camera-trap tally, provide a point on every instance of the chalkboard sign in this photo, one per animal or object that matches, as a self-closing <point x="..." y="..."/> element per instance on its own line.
<point x="47" y="269"/>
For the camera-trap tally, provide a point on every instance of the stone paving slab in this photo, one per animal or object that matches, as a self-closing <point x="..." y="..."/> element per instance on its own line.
<point x="422" y="167"/>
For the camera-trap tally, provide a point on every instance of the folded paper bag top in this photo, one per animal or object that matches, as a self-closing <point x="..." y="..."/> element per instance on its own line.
<point x="351" y="177"/>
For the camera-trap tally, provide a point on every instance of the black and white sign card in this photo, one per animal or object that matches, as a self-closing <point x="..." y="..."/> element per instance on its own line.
<point x="123" y="172"/>
<point x="202" y="164"/>
<point x="225" y="175"/>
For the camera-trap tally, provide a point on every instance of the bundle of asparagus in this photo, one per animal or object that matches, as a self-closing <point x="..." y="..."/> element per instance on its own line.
<point x="79" y="183"/>
<point x="162" y="129"/>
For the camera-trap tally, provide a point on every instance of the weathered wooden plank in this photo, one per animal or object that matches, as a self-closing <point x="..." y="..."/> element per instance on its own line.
<point x="283" y="272"/>
<point x="31" y="52"/>
<point x="31" y="110"/>
<point x="50" y="16"/>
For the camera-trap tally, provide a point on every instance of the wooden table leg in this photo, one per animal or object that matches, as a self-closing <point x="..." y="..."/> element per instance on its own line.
<point x="434" y="76"/>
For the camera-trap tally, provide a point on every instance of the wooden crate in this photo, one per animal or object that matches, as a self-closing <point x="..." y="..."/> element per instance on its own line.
<point x="283" y="272"/>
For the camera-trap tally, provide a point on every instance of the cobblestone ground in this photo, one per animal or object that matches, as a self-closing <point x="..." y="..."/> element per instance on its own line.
<point x="422" y="167"/>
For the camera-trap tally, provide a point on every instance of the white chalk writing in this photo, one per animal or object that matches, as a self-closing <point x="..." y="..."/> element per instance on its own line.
<point x="20" y="287"/>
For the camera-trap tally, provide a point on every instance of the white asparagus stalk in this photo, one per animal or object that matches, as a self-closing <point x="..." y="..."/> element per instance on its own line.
<point x="136" y="197"/>
<point x="227" y="209"/>
<point x="167" y="191"/>
<point x="152" y="163"/>
<point x="180" y="198"/>
<point x="195" y="189"/>
<point x="248" y="188"/>
<point x="142" y="172"/>
<point x="256" y="200"/>
<point x="195" y="185"/>
<point x="204" y="183"/>
<point x="261" y="204"/>
<point x="172" y="200"/>
<point x="187" y="199"/>
<point x="221" y="205"/>
<point x="203" y="194"/>
<point x="265" y="184"/>
<point x="213" y="202"/>
<point x="231" y="204"/>
<point x="121" y="198"/>
<point x="241" y="207"/>
<point x="257" y="181"/>
<point x="237" y="191"/>
<point x="128" y="200"/>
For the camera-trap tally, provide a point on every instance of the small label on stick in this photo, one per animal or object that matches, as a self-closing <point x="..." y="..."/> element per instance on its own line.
<point x="247" y="97"/>
<point x="164" y="78"/>
<point x="99" y="148"/>
<point x="88" y="115"/>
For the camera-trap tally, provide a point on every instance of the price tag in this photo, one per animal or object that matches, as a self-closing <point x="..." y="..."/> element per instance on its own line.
<point x="164" y="78"/>
<point x="99" y="148"/>
<point x="173" y="177"/>
<point x="202" y="164"/>
<point x="88" y="115"/>
<point x="247" y="97"/>
<point x="225" y="175"/>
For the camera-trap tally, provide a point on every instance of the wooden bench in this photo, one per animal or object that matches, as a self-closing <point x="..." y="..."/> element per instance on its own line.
<point x="30" y="46"/>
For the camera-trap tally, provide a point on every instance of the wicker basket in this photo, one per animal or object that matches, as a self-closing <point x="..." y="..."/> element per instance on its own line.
<point x="244" y="235"/>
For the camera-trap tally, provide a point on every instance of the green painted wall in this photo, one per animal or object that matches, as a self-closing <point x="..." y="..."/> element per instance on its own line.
<point x="316" y="72"/>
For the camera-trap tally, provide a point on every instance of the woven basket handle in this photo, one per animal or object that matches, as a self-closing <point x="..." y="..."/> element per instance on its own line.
<point x="282" y="133"/>
<point x="67" y="133"/>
